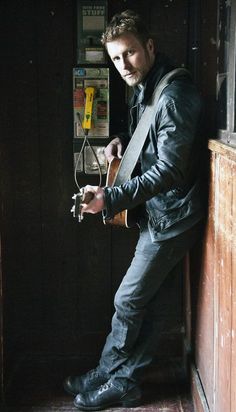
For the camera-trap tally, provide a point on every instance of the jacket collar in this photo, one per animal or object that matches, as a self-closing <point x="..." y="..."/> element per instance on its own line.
<point x="161" y="66"/>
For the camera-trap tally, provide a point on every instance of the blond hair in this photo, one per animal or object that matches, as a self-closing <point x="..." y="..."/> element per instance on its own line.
<point x="126" y="22"/>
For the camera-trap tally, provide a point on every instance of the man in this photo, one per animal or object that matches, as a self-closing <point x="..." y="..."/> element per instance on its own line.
<point x="168" y="188"/>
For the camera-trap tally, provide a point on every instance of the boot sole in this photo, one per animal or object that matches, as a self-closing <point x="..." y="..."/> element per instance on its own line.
<point x="124" y="404"/>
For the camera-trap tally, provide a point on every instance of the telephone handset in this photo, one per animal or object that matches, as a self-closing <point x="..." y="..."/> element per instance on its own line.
<point x="87" y="122"/>
<point x="79" y="198"/>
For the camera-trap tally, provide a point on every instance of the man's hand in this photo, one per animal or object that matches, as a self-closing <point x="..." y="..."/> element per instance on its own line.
<point x="97" y="204"/>
<point x="114" y="149"/>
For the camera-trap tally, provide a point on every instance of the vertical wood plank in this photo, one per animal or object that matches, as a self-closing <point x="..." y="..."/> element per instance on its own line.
<point x="20" y="176"/>
<point x="205" y="307"/>
<point x="233" y="353"/>
<point x="223" y="272"/>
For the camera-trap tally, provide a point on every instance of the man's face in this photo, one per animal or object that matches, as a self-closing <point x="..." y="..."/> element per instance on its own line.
<point x="132" y="60"/>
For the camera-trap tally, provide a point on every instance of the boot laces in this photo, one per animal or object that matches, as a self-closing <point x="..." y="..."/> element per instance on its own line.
<point x="105" y="386"/>
<point x="94" y="373"/>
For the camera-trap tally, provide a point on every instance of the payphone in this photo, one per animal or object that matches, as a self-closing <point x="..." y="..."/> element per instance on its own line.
<point x="90" y="97"/>
<point x="90" y="85"/>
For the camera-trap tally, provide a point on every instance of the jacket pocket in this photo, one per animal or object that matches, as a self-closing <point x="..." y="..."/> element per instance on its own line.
<point x="164" y="222"/>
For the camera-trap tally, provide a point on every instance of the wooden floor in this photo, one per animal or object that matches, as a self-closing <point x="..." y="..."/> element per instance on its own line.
<point x="37" y="387"/>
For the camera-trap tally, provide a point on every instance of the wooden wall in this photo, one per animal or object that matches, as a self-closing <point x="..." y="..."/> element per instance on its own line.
<point x="216" y="303"/>
<point x="59" y="277"/>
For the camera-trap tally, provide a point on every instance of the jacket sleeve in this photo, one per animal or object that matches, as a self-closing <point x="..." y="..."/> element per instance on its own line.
<point x="168" y="150"/>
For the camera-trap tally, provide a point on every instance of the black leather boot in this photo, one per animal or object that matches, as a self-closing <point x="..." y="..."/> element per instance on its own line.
<point x="106" y="396"/>
<point x="84" y="383"/>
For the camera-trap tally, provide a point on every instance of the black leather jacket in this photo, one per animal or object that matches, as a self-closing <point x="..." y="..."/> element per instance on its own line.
<point x="168" y="183"/>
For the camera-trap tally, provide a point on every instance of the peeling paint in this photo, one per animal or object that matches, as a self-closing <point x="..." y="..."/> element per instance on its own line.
<point x="222" y="341"/>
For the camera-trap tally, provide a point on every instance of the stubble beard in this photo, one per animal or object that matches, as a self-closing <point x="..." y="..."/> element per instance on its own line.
<point x="140" y="75"/>
<point x="133" y="80"/>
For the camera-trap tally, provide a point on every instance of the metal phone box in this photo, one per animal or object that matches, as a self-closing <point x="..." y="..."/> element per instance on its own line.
<point x="99" y="79"/>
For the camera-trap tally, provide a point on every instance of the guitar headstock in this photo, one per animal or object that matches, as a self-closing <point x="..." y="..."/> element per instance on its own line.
<point x="79" y="198"/>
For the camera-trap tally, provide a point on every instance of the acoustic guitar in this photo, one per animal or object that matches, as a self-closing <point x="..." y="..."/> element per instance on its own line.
<point x="125" y="218"/>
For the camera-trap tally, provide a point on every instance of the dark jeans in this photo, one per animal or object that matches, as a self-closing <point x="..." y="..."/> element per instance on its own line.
<point x="136" y="324"/>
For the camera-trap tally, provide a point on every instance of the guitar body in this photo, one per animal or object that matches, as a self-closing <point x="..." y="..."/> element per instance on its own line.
<point x="124" y="218"/>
